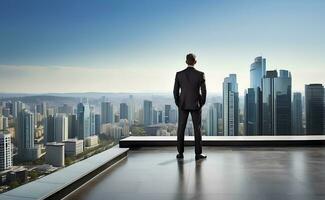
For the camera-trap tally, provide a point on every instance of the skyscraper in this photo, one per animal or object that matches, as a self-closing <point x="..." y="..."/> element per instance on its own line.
<point x="253" y="98"/>
<point x="60" y="127"/>
<point x="214" y="116"/>
<point x="131" y="110"/>
<point x="230" y="106"/>
<point x="314" y="99"/>
<point x="107" y="112"/>
<point x="167" y="113"/>
<point x="252" y="111"/>
<point x="257" y="72"/>
<point x="49" y="129"/>
<point x="147" y="112"/>
<point x="97" y="124"/>
<point x="25" y="136"/>
<point x="124" y="111"/>
<point x="5" y="151"/>
<point x="17" y="108"/>
<point x="297" y="128"/>
<point x="92" y="120"/>
<point x="73" y="126"/>
<point x="276" y="110"/>
<point x="83" y="117"/>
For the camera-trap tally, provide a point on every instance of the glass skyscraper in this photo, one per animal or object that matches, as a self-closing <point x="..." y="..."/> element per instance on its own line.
<point x="257" y="72"/>
<point x="83" y="117"/>
<point x="276" y="99"/>
<point x="230" y="106"/>
<point x="314" y="99"/>
<point x="124" y="111"/>
<point x="147" y="112"/>
<point x="297" y="128"/>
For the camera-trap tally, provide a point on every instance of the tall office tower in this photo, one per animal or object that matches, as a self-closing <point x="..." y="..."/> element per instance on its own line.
<point x="92" y="120"/>
<point x="72" y="126"/>
<point x="314" y="100"/>
<point x="257" y="72"/>
<point x="10" y="106"/>
<point x="83" y="117"/>
<point x="131" y="110"/>
<point x="6" y="112"/>
<point x="147" y="112"/>
<point x="97" y="124"/>
<point x="167" y="113"/>
<point x="60" y="127"/>
<point x="214" y="117"/>
<point x="25" y="134"/>
<point x="230" y="106"/>
<point x="18" y="107"/>
<point x="297" y="128"/>
<point x="252" y="111"/>
<point x="253" y="98"/>
<point x="107" y="112"/>
<point x="124" y="111"/>
<point x="48" y="129"/>
<point x="276" y="110"/>
<point x="173" y="116"/>
<point x="41" y="108"/>
<point x="160" y="116"/>
<point x="155" y="116"/>
<point x="5" y="151"/>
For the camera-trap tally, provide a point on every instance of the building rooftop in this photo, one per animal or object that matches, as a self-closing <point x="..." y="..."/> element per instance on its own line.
<point x="228" y="173"/>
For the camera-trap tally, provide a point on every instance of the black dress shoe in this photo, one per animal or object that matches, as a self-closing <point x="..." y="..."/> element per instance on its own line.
<point x="179" y="156"/>
<point x="200" y="156"/>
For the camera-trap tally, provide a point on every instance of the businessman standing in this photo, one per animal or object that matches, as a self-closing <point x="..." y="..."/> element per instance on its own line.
<point x="190" y="96"/>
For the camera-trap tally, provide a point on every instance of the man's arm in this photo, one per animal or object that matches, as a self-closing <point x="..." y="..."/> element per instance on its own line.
<point x="176" y="90"/>
<point x="203" y="90"/>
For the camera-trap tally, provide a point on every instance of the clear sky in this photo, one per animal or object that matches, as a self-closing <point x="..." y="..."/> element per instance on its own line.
<point x="137" y="46"/>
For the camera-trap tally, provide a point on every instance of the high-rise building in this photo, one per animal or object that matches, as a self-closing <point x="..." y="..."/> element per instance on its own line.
<point x="160" y="116"/>
<point x="97" y="124"/>
<point x="252" y="111"/>
<point x="314" y="100"/>
<point x="173" y="116"/>
<point x="83" y="117"/>
<point x="25" y="136"/>
<point x="230" y="106"/>
<point x="214" y="117"/>
<point x="276" y="99"/>
<point x="297" y="128"/>
<point x="147" y="112"/>
<point x="41" y="108"/>
<point x="65" y="108"/>
<point x="92" y="121"/>
<point x="107" y="112"/>
<point x="72" y="126"/>
<point x="17" y="108"/>
<point x="167" y="113"/>
<point x="131" y="110"/>
<point x="5" y="151"/>
<point x="257" y="72"/>
<point x="124" y="111"/>
<point x="155" y="116"/>
<point x="49" y="129"/>
<point x="60" y="127"/>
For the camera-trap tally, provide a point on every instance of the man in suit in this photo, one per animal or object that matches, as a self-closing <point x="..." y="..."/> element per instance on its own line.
<point x="190" y="96"/>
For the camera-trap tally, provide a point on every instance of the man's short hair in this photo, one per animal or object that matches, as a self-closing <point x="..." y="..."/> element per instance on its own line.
<point x="190" y="58"/>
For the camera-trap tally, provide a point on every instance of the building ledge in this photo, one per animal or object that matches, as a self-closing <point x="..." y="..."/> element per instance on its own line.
<point x="59" y="184"/>
<point x="303" y="140"/>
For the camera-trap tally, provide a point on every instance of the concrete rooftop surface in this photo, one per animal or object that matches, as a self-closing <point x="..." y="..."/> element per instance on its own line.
<point x="228" y="173"/>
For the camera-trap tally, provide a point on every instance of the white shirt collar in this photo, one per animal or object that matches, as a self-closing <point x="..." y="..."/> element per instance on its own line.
<point x="190" y="65"/>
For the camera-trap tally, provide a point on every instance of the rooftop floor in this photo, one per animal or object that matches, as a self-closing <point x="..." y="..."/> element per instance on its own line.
<point x="228" y="173"/>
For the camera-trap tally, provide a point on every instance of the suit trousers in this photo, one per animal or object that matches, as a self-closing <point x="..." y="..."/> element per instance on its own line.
<point x="182" y="120"/>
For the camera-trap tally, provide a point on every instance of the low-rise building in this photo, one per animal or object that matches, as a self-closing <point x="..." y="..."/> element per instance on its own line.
<point x="55" y="154"/>
<point x="73" y="147"/>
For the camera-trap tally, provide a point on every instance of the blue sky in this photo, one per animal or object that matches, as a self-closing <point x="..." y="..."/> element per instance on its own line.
<point x="136" y="46"/>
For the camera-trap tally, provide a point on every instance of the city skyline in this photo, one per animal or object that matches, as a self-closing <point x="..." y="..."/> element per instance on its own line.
<point x="95" y="46"/>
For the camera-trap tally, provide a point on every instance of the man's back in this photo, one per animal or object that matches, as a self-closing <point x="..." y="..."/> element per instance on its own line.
<point x="190" y="81"/>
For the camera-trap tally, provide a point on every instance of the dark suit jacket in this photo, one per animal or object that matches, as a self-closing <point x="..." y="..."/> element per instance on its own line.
<point x="188" y="84"/>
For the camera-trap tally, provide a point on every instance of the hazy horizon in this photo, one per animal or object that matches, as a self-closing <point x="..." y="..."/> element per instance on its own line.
<point x="119" y="46"/>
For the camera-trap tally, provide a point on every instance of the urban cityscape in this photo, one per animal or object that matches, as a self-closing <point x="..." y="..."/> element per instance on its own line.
<point x="42" y="133"/>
